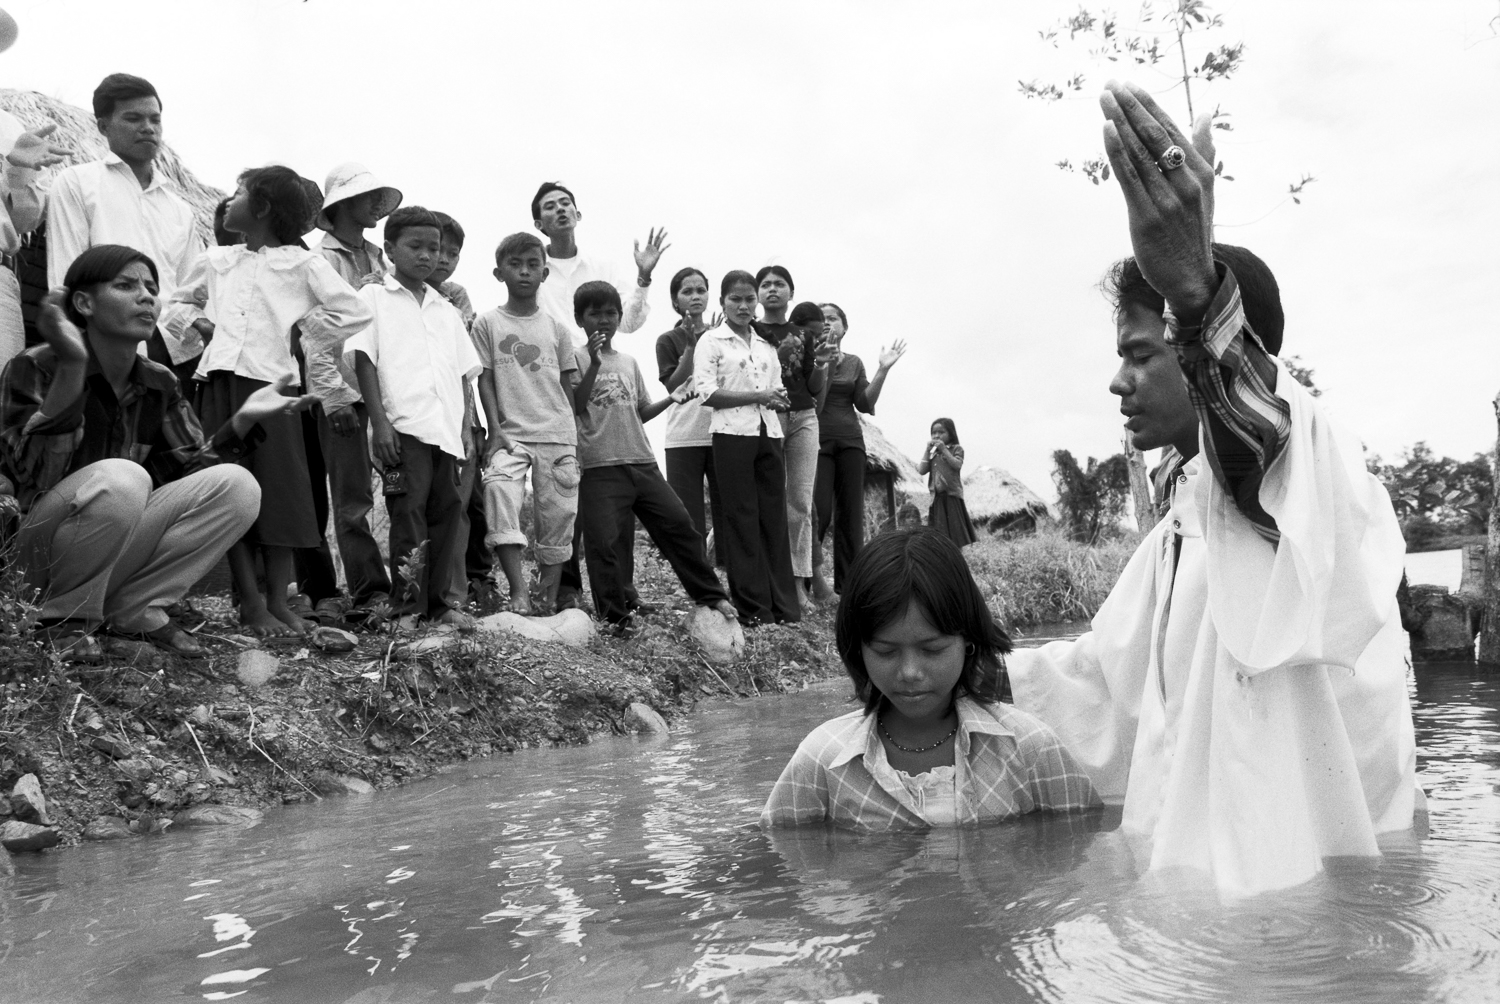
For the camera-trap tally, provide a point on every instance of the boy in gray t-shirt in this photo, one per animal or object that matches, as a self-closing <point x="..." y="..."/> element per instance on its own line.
<point x="620" y="476"/>
<point x="527" y="393"/>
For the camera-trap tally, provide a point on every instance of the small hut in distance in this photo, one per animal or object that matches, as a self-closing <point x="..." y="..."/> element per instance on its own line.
<point x="886" y="470"/>
<point x="1000" y="503"/>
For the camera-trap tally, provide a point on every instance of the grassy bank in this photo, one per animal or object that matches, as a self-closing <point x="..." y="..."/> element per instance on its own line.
<point x="147" y="734"/>
<point x="1045" y="577"/>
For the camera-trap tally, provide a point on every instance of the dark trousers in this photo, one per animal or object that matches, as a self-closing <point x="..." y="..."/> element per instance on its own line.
<point x="478" y="561"/>
<point x="609" y="501"/>
<point x="316" y="578"/>
<point x="347" y="462"/>
<point x="572" y="570"/>
<point x="431" y="510"/>
<point x="752" y="487"/>
<point x="839" y="497"/>
<point x="687" y="466"/>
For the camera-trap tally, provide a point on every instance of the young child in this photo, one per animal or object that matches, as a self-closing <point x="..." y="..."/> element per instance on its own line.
<point x="412" y="362"/>
<point x="934" y="745"/>
<point x="620" y="478"/>
<point x="244" y="300"/>
<point x="942" y="462"/>
<point x="442" y="273"/>
<point x="527" y="393"/>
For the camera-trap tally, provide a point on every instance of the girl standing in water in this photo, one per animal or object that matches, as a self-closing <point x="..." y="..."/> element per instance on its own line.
<point x="942" y="462"/>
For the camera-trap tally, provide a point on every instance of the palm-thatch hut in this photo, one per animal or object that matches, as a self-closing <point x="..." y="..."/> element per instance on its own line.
<point x="78" y="130"/>
<point x="1000" y="503"/>
<point x="886" y="469"/>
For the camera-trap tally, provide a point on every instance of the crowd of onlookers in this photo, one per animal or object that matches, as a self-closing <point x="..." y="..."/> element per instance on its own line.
<point x="179" y="403"/>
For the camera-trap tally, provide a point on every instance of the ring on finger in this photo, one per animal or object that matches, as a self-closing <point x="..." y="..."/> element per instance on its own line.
<point x="1171" y="158"/>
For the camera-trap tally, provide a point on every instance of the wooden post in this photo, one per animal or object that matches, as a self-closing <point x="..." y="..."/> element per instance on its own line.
<point x="1489" y="625"/>
<point x="1140" y="486"/>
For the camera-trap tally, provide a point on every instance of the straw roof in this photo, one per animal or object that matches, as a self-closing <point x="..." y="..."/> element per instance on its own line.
<point x="881" y="454"/>
<point x="991" y="492"/>
<point x="78" y="130"/>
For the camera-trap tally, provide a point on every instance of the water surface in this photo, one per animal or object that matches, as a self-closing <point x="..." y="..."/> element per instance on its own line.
<point x="631" y="870"/>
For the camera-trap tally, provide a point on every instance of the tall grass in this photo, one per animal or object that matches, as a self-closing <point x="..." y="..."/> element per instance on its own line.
<point x="1045" y="577"/>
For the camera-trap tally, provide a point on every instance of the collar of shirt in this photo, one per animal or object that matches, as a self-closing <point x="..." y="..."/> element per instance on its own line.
<point x="333" y="243"/>
<point x="864" y="740"/>
<point x="279" y="258"/>
<point x="113" y="161"/>
<point x="143" y="378"/>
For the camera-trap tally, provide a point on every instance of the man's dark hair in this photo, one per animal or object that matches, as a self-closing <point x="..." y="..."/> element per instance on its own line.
<point x="450" y="229"/>
<point x="595" y="294"/>
<point x="899" y="568"/>
<point x="406" y="218"/>
<point x="281" y="191"/>
<point x="519" y="243"/>
<point x="99" y="264"/>
<point x="119" y="87"/>
<point x="549" y="186"/>
<point x="780" y="270"/>
<point x="1260" y="296"/>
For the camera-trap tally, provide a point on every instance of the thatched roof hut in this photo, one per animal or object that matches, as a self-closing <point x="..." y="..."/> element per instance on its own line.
<point x="882" y="456"/>
<point x="998" y="501"/>
<point x="78" y="130"/>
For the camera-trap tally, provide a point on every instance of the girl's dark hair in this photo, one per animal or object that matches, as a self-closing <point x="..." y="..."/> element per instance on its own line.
<point x="280" y="191"/>
<point x="840" y="311"/>
<point x="734" y="279"/>
<point x="920" y="566"/>
<point x="595" y="293"/>
<point x="806" y="312"/>
<point x="222" y="237"/>
<point x="775" y="270"/>
<point x="681" y="277"/>
<point x="99" y="264"/>
<point x="947" y="423"/>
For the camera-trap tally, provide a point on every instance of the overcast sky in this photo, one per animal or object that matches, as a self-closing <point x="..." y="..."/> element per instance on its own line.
<point x="881" y="152"/>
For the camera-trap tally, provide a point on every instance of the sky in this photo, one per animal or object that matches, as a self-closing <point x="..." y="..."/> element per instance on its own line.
<point x="881" y="151"/>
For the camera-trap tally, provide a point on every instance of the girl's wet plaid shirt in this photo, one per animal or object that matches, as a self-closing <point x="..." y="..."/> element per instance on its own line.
<point x="1007" y="764"/>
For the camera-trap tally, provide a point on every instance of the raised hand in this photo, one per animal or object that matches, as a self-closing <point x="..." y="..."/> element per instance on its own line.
<point x="32" y="149"/>
<point x="1171" y="209"/>
<point x="596" y="344"/>
<point x="888" y="356"/>
<point x="273" y="400"/>
<point x="647" y="257"/>
<point x="59" y="332"/>
<point x="714" y="322"/>
<point x="824" y="351"/>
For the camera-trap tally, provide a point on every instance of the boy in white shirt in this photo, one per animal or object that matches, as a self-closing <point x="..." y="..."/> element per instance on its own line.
<point x="412" y="362"/>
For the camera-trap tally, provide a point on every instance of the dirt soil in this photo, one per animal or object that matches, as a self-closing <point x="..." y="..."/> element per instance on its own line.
<point x="148" y="734"/>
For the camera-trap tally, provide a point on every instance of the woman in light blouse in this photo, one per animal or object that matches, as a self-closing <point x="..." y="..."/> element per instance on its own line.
<point x="738" y="375"/>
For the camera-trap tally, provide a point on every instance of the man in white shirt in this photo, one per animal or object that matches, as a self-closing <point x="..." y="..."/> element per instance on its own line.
<point x="123" y="199"/>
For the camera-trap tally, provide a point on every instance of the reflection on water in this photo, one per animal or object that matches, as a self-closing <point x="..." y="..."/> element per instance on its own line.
<point x="632" y="870"/>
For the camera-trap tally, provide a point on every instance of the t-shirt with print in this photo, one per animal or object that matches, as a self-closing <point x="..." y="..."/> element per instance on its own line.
<point x="610" y="432"/>
<point x="524" y="358"/>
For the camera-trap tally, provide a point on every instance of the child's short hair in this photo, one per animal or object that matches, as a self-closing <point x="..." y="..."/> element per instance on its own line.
<point x="519" y="243"/>
<point x="279" y="191"/>
<point x="99" y="264"/>
<point x="406" y="218"/>
<point x="806" y="312"/>
<point x="449" y="228"/>
<point x="924" y="567"/>
<point x="733" y="279"/>
<point x="843" y="318"/>
<point x="947" y="423"/>
<point x="119" y="87"/>
<point x="780" y="270"/>
<point x="221" y="236"/>
<point x="549" y="186"/>
<point x="681" y="277"/>
<point x="595" y="293"/>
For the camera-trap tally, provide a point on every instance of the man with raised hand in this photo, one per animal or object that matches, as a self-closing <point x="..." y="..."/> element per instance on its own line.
<point x="123" y="199"/>
<point x="1243" y="689"/>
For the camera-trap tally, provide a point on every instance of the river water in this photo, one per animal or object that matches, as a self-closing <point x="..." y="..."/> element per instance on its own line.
<point x="632" y="870"/>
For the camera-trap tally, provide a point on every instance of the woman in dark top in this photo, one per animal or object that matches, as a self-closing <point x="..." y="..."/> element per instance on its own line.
<point x="804" y="368"/>
<point x="840" y="488"/>
<point x="689" y="452"/>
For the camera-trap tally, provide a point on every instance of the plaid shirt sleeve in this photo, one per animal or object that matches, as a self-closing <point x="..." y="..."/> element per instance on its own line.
<point x="1054" y="780"/>
<point x="37" y="450"/>
<point x="1232" y="384"/>
<point x="186" y="449"/>
<point x="801" y="793"/>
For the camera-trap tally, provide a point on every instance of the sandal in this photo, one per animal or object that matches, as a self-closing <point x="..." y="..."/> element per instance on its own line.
<point x="73" y="640"/>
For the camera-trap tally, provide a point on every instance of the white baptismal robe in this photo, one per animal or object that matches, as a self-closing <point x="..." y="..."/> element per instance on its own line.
<point x="1251" y="704"/>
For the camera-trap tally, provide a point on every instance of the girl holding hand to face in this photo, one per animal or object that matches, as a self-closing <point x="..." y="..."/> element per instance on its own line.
<point x="935" y="744"/>
<point x="942" y="461"/>
<point x="689" y="439"/>
<point x="738" y="375"/>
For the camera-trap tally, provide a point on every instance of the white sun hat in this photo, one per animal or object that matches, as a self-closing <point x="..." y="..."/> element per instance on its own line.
<point x="8" y="30"/>
<point x="351" y="179"/>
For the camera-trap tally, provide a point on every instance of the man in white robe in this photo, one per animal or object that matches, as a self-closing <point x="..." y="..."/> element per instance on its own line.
<point x="1244" y="686"/>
